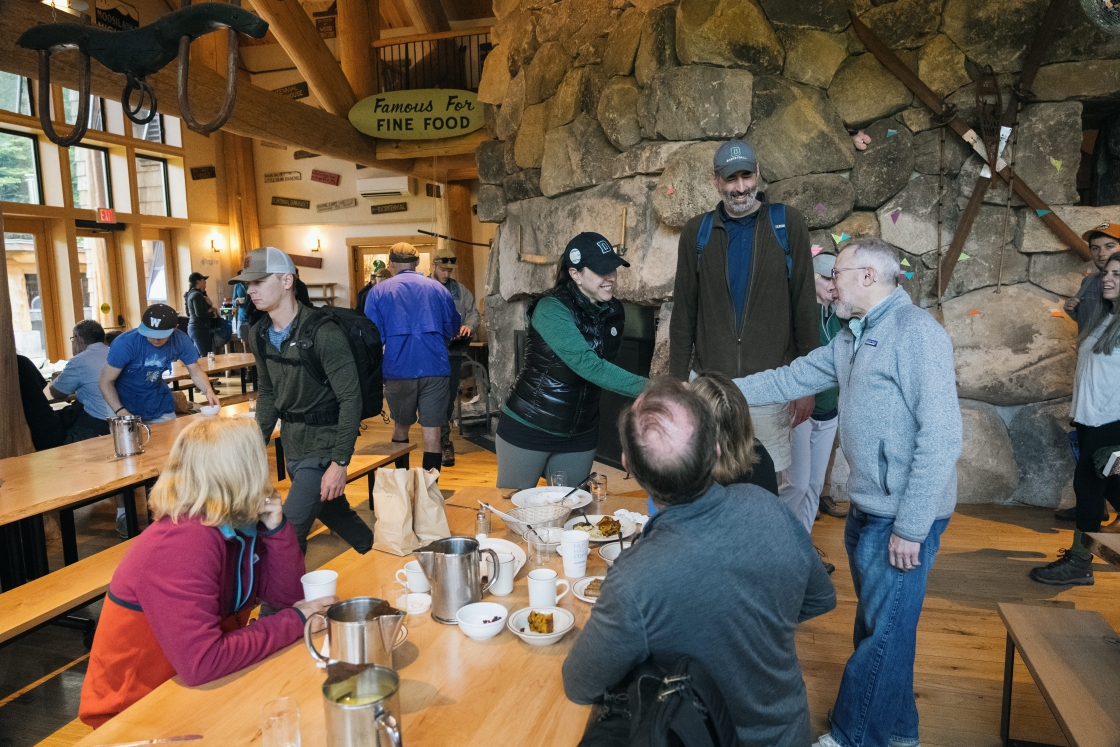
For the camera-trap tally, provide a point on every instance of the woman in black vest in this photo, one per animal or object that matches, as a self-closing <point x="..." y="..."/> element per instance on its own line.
<point x="200" y="314"/>
<point x="550" y="422"/>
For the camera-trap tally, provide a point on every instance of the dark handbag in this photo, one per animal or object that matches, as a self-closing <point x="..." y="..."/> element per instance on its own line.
<point x="681" y="708"/>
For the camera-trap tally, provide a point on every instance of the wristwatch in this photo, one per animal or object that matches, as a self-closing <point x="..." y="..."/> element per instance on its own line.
<point x="341" y="463"/>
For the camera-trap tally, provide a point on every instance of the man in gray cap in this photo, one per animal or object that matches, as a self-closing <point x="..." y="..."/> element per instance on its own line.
<point x="743" y="300"/>
<point x="443" y="265"/>
<point x="307" y="378"/>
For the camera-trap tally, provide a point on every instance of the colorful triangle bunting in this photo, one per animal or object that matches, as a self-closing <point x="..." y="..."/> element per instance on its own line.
<point x="905" y="262"/>
<point x="1042" y="212"/>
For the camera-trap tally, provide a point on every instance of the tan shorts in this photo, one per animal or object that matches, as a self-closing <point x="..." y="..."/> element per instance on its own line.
<point x="771" y="427"/>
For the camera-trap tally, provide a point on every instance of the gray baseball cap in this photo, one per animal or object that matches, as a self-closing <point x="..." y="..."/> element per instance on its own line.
<point x="260" y="263"/>
<point x="734" y="156"/>
<point x="823" y="264"/>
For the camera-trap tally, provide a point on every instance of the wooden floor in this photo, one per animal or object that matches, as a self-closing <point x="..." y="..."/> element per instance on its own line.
<point x="985" y="555"/>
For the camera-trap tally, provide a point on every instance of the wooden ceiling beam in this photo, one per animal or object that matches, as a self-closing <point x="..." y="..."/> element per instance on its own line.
<point x="428" y="16"/>
<point x="257" y="113"/>
<point x="359" y="25"/>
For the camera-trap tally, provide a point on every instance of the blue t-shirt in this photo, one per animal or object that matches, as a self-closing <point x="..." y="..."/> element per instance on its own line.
<point x="140" y="386"/>
<point x="80" y="377"/>
<point x="740" y="247"/>
<point x="240" y="290"/>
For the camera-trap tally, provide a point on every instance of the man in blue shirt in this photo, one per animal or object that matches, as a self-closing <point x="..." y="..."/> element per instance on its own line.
<point x="132" y="380"/>
<point x="80" y="378"/>
<point x="416" y="316"/>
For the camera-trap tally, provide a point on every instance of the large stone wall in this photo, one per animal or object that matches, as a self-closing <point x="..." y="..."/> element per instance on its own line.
<point x="601" y="106"/>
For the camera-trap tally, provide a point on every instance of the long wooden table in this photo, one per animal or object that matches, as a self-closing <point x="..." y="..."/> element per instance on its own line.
<point x="454" y="691"/>
<point x="222" y="364"/>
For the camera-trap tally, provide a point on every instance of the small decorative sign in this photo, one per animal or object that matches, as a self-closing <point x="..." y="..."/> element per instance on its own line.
<point x="116" y="15"/>
<point x="421" y="114"/>
<point x="325" y="177"/>
<point x="292" y="202"/>
<point x="282" y="176"/>
<point x="327" y="207"/>
<point x="391" y="207"/>
<point x="433" y="190"/>
<point x="300" y="154"/>
<point x="326" y="27"/>
<point x="294" y="91"/>
<point x="313" y="262"/>
<point x="106" y="215"/>
<point x="203" y="172"/>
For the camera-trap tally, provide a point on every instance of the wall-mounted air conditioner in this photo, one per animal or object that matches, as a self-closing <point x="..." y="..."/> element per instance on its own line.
<point x="387" y="186"/>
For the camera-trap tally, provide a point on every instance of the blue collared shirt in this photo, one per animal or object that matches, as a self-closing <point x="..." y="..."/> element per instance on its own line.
<point x="416" y="316"/>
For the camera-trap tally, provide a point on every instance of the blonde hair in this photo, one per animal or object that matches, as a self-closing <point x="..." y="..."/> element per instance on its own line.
<point x="734" y="431"/>
<point x="218" y="471"/>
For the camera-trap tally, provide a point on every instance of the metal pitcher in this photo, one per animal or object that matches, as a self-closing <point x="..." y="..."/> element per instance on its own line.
<point x="362" y="630"/>
<point x="126" y="435"/>
<point x="452" y="568"/>
<point x="362" y="705"/>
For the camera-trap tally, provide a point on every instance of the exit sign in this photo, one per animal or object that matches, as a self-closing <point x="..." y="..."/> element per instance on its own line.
<point x="106" y="215"/>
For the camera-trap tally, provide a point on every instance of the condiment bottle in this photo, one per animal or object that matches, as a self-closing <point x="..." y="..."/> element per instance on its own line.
<point x="482" y="522"/>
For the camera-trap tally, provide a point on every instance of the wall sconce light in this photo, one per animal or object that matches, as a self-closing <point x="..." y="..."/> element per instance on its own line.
<point x="318" y="246"/>
<point x="212" y="247"/>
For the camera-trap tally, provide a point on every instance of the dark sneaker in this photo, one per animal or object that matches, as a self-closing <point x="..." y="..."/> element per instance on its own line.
<point x="448" y="454"/>
<point x="1070" y="514"/>
<point x="1064" y="571"/>
<point x="832" y="508"/>
<point x="828" y="567"/>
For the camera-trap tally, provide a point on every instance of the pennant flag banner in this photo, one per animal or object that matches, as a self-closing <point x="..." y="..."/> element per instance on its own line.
<point x="1055" y="312"/>
<point x="894" y="216"/>
<point x="1042" y="212"/>
<point x="844" y="237"/>
<point x="973" y="312"/>
<point x="964" y="257"/>
<point x="1056" y="163"/>
<point x="836" y="238"/>
<point x="817" y="250"/>
<point x="892" y="133"/>
<point x="909" y="276"/>
<point x="905" y="262"/>
<point x="820" y="208"/>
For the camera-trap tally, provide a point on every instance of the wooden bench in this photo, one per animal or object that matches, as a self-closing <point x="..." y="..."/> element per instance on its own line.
<point x="40" y="601"/>
<point x="1074" y="658"/>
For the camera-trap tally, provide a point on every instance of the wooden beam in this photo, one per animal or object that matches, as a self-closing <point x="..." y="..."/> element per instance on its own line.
<point x="458" y="196"/>
<point x="357" y="21"/>
<point x="449" y="146"/>
<point x="15" y="438"/>
<point x="258" y="113"/>
<point x="427" y="15"/>
<point x="443" y="170"/>
<point x="301" y="41"/>
<point x="394" y="40"/>
<point x="241" y="197"/>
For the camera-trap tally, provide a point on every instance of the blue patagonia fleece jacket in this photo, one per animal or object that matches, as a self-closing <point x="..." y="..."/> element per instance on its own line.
<point x="900" y="423"/>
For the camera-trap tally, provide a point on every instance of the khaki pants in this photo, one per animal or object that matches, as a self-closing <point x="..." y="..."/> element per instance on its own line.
<point x="771" y="427"/>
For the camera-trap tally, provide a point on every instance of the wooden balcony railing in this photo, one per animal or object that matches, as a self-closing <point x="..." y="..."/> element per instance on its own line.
<point x="450" y="59"/>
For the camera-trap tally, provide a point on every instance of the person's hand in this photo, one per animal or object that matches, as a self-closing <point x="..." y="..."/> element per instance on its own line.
<point x="464" y="331"/>
<point x="122" y="413"/>
<point x="315" y="605"/>
<point x="333" y="483"/>
<point x="272" y="512"/>
<point x="801" y="409"/>
<point x="861" y="140"/>
<point x="212" y="399"/>
<point x="904" y="553"/>
<point x="1071" y="303"/>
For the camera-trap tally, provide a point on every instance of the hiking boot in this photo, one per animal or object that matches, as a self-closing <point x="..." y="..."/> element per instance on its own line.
<point x="122" y="527"/>
<point x="1066" y="570"/>
<point x="449" y="454"/>
<point x="828" y="567"/>
<point x="1070" y="514"/>
<point x="832" y="508"/>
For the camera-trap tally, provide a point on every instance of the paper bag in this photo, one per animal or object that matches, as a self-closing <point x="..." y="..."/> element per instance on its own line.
<point x="392" y="511"/>
<point x="429" y="518"/>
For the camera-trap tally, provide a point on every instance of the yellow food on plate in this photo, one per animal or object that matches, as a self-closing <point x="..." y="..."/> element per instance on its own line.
<point x="540" y="622"/>
<point x="609" y="526"/>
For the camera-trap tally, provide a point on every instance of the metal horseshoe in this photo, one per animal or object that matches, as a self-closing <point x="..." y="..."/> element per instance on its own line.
<point x="132" y="83"/>
<point x="82" y="120"/>
<point x="231" y="81"/>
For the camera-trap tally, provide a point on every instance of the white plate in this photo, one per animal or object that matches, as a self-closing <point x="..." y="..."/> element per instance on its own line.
<point x="501" y="545"/>
<point x="562" y="622"/>
<point x="629" y="528"/>
<point x="579" y="586"/>
<point x="610" y="551"/>
<point x="548" y="496"/>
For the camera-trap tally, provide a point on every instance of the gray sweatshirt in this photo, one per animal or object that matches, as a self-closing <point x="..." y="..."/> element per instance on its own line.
<point x="900" y="422"/>
<point x="724" y="579"/>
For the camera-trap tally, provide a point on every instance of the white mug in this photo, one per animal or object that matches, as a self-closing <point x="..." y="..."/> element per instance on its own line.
<point x="574" y="547"/>
<point x="542" y="588"/>
<point x="503" y="584"/>
<point x="319" y="584"/>
<point x="414" y="577"/>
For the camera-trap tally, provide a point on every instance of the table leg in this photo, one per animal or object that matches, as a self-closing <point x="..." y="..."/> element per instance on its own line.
<point x="369" y="482"/>
<point x="280" y="474"/>
<point x="34" y="546"/>
<point x="244" y="381"/>
<point x="131" y="522"/>
<point x="69" y="536"/>
<point x="12" y="571"/>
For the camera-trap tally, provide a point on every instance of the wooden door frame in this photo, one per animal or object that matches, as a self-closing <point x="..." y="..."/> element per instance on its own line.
<point x="50" y="306"/>
<point x="357" y="243"/>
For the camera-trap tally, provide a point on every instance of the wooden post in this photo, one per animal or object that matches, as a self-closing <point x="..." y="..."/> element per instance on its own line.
<point x="241" y="193"/>
<point x="428" y="16"/>
<point x="15" y="438"/>
<point x="459" y="226"/>
<point x="357" y="21"/>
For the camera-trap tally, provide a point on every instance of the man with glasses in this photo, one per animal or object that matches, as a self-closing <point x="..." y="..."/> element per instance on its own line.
<point x="744" y="299"/>
<point x="80" y="378"/>
<point x="443" y="265"/>
<point x="900" y="427"/>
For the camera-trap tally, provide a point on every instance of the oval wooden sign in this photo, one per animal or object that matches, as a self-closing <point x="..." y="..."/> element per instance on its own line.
<point x="423" y="114"/>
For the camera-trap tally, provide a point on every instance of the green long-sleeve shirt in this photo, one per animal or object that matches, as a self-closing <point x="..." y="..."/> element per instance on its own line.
<point x="554" y="323"/>
<point x="293" y="389"/>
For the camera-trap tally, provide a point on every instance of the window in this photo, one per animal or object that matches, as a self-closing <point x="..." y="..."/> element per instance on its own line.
<point x="151" y="182"/>
<point x="19" y="168"/>
<point x="93" y="268"/>
<point x="89" y="177"/>
<point x="15" y="93"/>
<point x="155" y="270"/>
<point x="27" y="304"/>
<point x="70" y="109"/>
<point x="151" y="131"/>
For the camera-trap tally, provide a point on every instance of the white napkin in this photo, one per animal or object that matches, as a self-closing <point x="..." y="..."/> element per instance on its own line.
<point x="634" y="516"/>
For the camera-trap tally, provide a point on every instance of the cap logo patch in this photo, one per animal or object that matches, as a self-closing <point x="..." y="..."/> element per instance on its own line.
<point x="614" y="331"/>
<point x="155" y="321"/>
<point x="575" y="256"/>
<point x="604" y="247"/>
<point x="1103" y="226"/>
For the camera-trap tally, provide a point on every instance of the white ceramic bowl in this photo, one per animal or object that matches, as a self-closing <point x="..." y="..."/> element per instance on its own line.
<point x="562" y="622"/>
<point x="471" y="616"/>
<point x="610" y="552"/>
<point x="210" y="410"/>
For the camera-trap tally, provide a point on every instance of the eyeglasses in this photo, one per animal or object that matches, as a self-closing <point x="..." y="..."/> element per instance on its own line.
<point x="836" y="270"/>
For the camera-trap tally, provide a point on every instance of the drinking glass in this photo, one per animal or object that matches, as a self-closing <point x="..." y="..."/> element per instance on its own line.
<point x="540" y="552"/>
<point x="253" y="405"/>
<point x="280" y="723"/>
<point x="557" y="478"/>
<point x="599" y="488"/>
<point x="396" y="594"/>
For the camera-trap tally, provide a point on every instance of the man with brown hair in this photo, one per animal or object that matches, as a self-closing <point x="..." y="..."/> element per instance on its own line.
<point x="749" y="560"/>
<point x="1103" y="240"/>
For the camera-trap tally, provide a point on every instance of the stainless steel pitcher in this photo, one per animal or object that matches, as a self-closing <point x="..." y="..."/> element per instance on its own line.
<point x="126" y="435"/>
<point x="362" y="630"/>
<point x="362" y="705"/>
<point x="452" y="567"/>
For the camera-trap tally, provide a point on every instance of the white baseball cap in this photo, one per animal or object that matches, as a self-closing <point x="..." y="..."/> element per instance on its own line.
<point x="260" y="263"/>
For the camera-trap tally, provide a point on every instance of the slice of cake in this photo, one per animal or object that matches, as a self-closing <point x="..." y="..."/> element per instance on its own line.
<point x="540" y="622"/>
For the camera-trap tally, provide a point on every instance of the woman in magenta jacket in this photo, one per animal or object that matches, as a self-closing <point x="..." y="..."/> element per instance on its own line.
<point x="179" y="602"/>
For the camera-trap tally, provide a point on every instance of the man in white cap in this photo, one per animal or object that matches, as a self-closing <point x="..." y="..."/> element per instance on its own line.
<point x="443" y="265"/>
<point x="307" y="379"/>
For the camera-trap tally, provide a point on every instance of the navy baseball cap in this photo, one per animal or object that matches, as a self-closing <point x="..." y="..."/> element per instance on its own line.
<point x="735" y="156"/>
<point x="159" y="321"/>
<point x="593" y="251"/>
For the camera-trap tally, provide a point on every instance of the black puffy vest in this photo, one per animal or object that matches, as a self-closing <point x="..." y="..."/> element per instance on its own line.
<point x="550" y="395"/>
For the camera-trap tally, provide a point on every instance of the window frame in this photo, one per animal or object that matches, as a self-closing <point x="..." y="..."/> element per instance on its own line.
<point x="38" y="161"/>
<point x="108" y="175"/>
<point x="166" y="184"/>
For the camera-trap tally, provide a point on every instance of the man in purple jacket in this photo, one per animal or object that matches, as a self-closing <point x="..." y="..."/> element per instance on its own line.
<point x="416" y="316"/>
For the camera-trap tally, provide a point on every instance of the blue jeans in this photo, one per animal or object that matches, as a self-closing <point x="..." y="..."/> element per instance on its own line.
<point x="875" y="704"/>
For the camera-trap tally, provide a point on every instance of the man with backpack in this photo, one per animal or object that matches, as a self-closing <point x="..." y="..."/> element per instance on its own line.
<point x="416" y="317"/>
<point x="308" y="379"/>
<point x="744" y="299"/>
